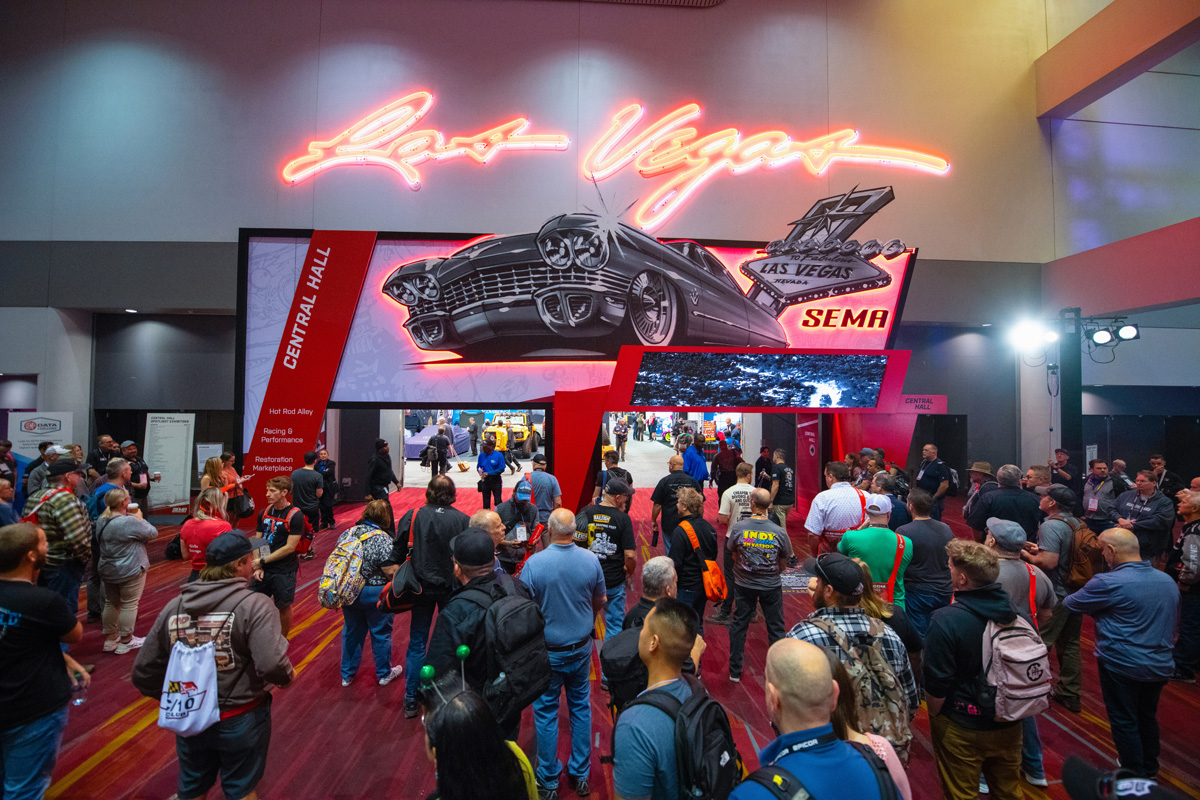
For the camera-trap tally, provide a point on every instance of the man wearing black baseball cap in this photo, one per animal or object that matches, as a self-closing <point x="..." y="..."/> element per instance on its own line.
<point x="251" y="656"/>
<point x="461" y="620"/>
<point x="68" y="527"/>
<point x="606" y="530"/>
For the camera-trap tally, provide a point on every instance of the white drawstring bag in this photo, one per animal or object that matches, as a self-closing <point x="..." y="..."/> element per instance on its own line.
<point x="189" y="704"/>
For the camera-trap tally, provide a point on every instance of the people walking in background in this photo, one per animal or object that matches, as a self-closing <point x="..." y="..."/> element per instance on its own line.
<point x="490" y="466"/>
<point x="308" y="486"/>
<point x="380" y="474"/>
<point x="327" y="468"/>
<point x="692" y="543"/>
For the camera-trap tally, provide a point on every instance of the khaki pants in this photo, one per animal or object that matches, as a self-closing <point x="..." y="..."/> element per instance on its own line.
<point x="962" y="754"/>
<point x="121" y="605"/>
<point x="1062" y="635"/>
<point x="779" y="516"/>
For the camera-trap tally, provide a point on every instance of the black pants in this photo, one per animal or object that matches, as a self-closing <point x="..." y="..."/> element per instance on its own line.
<point x="441" y="464"/>
<point x="772" y="606"/>
<point x="326" y="506"/>
<point x="510" y="460"/>
<point x="1133" y="718"/>
<point x="378" y="492"/>
<point x="474" y="445"/>
<point x="727" y="603"/>
<point x="492" y="484"/>
<point x="313" y="514"/>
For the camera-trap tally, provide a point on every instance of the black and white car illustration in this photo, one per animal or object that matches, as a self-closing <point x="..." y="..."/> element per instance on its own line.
<point x="581" y="285"/>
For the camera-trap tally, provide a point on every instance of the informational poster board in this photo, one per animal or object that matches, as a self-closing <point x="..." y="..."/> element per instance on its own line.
<point x="27" y="428"/>
<point x="169" y="451"/>
<point x="205" y="451"/>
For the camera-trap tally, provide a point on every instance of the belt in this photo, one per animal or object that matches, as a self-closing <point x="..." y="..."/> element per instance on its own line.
<point x="569" y="647"/>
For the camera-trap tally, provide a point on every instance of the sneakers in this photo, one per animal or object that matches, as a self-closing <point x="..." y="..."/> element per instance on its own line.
<point x="411" y="709"/>
<point x="109" y="645"/>
<point x="1180" y="677"/>
<point x="580" y="786"/>
<point x="1071" y="704"/>
<point x="983" y="787"/>
<point x="721" y="617"/>
<point x="1035" y="781"/>
<point x="396" y="672"/>
<point x="345" y="682"/>
<point x="545" y="793"/>
<point x="133" y="644"/>
<point x="735" y="678"/>
<point x="309" y="556"/>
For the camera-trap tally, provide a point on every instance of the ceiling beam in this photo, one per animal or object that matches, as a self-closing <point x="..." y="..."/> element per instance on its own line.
<point x="1123" y="40"/>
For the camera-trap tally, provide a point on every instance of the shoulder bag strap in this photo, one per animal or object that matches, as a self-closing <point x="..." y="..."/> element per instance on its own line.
<point x="887" y="786"/>
<point x="247" y="661"/>
<point x="781" y="783"/>
<point x="691" y="534"/>
<point x="839" y="635"/>
<point x="862" y="499"/>
<point x="32" y="515"/>
<point x="891" y="581"/>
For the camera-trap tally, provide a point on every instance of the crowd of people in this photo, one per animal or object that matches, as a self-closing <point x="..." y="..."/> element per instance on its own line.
<point x="507" y="606"/>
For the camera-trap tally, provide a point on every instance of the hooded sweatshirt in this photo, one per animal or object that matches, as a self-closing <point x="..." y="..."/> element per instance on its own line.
<point x="251" y="652"/>
<point x="954" y="653"/>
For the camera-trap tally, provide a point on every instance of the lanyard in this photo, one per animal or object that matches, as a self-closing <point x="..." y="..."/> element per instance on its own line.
<point x="824" y="738"/>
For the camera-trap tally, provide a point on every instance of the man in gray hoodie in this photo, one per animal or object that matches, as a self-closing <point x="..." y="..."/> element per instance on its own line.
<point x="251" y="656"/>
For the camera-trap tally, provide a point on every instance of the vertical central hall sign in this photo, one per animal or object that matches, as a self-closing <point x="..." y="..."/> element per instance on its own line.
<point x="293" y="408"/>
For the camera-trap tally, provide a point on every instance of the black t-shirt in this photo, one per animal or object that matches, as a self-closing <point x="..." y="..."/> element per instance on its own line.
<point x="761" y="466"/>
<point x="442" y="443"/>
<point x="274" y="526"/>
<point x="666" y="495"/>
<point x="688" y="564"/>
<point x="431" y="529"/>
<point x="305" y="483"/>
<point x="140" y="474"/>
<point x="99" y="459"/>
<point x="33" y="676"/>
<point x="931" y="475"/>
<point x="611" y="533"/>
<point x="786" y="476"/>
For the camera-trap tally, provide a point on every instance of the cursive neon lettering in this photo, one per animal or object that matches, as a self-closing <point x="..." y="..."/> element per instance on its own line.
<point x="385" y="138"/>
<point x="666" y="147"/>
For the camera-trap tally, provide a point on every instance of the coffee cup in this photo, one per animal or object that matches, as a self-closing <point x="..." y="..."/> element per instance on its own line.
<point x="158" y="476"/>
<point x="133" y="506"/>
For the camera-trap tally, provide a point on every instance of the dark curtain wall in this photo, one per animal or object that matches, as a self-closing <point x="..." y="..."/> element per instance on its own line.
<point x="1135" y="438"/>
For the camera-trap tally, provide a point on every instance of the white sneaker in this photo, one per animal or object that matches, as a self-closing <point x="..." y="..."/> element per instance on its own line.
<point x="345" y="683"/>
<point x="133" y="644"/>
<point x="396" y="672"/>
<point x="109" y="645"/>
<point x="1032" y="781"/>
<point x="983" y="787"/>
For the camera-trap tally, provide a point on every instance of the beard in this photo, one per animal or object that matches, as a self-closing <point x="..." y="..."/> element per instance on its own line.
<point x="40" y="563"/>
<point x="819" y="597"/>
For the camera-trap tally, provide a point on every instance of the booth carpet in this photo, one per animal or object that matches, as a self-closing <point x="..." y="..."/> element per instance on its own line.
<point x="330" y="742"/>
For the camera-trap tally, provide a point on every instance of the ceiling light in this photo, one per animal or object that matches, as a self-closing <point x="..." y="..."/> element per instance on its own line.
<point x="131" y="311"/>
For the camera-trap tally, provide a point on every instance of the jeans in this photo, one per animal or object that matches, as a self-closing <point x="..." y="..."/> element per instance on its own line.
<point x="614" y="611"/>
<point x="570" y="670"/>
<point x="697" y="600"/>
<point x="64" y="579"/>
<point x="1062" y="634"/>
<point x="362" y="617"/>
<point x="936" y="511"/>
<point x="121" y="606"/>
<point x="1132" y="708"/>
<point x="772" y="606"/>
<point x="963" y="754"/>
<point x="920" y="605"/>
<point x="727" y="603"/>
<point x="27" y="756"/>
<point x="1031" y="748"/>
<point x="419" y="623"/>
<point x="1187" y="648"/>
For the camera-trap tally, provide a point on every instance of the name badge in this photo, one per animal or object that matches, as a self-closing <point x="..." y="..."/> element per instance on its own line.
<point x="1093" y="504"/>
<point x="522" y="533"/>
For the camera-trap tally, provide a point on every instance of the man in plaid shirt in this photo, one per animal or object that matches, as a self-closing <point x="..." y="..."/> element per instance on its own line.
<point x="68" y="531"/>
<point x="836" y="588"/>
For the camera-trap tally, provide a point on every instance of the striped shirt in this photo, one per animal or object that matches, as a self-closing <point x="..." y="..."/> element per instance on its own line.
<point x="66" y="523"/>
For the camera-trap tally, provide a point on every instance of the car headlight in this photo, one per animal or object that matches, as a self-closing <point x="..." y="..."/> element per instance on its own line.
<point x="590" y="249"/>
<point x="555" y="250"/>
<point x="420" y="287"/>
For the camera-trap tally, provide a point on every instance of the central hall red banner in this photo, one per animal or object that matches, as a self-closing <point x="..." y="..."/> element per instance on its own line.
<point x="310" y="351"/>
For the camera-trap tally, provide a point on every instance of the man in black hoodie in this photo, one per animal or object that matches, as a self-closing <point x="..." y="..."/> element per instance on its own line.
<point x="379" y="472"/>
<point x="967" y="738"/>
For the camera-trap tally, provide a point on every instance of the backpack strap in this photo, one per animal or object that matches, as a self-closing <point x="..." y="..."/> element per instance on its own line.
<point x="839" y="636"/>
<point x="664" y="701"/>
<point x="691" y="534"/>
<point x="781" y="783"/>
<point x="32" y="515"/>
<point x="1032" y="595"/>
<point x="887" y="786"/>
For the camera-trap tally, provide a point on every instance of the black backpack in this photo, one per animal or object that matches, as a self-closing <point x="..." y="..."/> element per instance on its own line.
<point x="517" y="659"/>
<point x="708" y="761"/>
<point x="784" y="785"/>
<point x="624" y="670"/>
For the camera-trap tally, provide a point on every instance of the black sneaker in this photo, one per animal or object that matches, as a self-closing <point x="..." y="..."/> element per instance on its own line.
<point x="411" y="709"/>
<point x="721" y="617"/>
<point x="545" y="793"/>
<point x="1179" y="676"/>
<point x="580" y="786"/>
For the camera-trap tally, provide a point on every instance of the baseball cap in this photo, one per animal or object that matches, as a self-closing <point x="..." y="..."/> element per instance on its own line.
<point x="539" y="458"/>
<point x="64" y="467"/>
<point x="1062" y="496"/>
<point x="473" y="548"/>
<point x="841" y="573"/>
<point x="227" y="547"/>
<point x="616" y="486"/>
<point x="380" y="444"/>
<point x="1086" y="782"/>
<point x="127" y="443"/>
<point x="879" y="504"/>
<point x="58" y="450"/>
<point x="1009" y="535"/>
<point x="522" y="491"/>
<point x="866" y="451"/>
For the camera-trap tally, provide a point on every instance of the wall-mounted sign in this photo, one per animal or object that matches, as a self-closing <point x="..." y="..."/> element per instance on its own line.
<point x="668" y="148"/>
<point x="923" y="403"/>
<point x="27" y="429"/>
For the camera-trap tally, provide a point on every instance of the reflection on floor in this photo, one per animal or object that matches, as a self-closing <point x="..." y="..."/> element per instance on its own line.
<point x="330" y="742"/>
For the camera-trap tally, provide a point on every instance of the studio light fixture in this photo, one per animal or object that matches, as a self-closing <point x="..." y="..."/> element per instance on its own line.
<point x="1128" y="332"/>
<point x="1102" y="336"/>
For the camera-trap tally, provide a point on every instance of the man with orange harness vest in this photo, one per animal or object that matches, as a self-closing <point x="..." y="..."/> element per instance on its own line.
<point x="836" y="510"/>
<point x="886" y="552"/>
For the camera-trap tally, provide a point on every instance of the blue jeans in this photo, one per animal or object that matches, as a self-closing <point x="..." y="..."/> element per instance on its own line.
<point x="1031" y="748"/>
<point x="419" y="622"/>
<point x="1187" y="648"/>
<point x="614" y="612"/>
<point x="697" y="600"/>
<point x="571" y="670"/>
<point x="920" y="605"/>
<point x="64" y="579"/>
<point x="362" y="617"/>
<point x="27" y="755"/>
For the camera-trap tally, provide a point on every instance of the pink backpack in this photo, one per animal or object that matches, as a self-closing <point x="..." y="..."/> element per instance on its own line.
<point x="1016" y="670"/>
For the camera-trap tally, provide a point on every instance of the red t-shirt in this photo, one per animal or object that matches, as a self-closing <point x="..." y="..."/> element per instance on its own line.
<point x="197" y="534"/>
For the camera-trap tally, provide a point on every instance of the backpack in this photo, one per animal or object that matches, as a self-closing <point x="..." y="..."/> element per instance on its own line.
<point x="715" y="588"/>
<point x="95" y="506"/>
<point x="1016" y="672"/>
<point x="784" y="785"/>
<point x="342" y="581"/>
<point x="1087" y="555"/>
<point x="707" y="759"/>
<point x="973" y="499"/>
<point x="306" y="539"/>
<point x="882" y="704"/>
<point x="625" y="671"/>
<point x="518" y="660"/>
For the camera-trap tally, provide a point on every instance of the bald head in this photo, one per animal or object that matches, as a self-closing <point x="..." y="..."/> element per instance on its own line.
<point x="800" y="689"/>
<point x="1122" y="544"/>
<point x="760" y="500"/>
<point x="488" y="520"/>
<point x="675" y="464"/>
<point x="561" y="525"/>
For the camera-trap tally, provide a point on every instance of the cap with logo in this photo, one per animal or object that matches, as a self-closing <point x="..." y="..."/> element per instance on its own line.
<point x="522" y="491"/>
<point x="539" y="458"/>
<point x="838" y="571"/>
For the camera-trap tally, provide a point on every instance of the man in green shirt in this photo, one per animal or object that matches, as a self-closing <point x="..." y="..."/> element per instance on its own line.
<point x="885" y="552"/>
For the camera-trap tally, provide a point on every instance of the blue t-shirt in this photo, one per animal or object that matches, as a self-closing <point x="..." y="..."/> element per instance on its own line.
<point x="563" y="579"/>
<point x="491" y="463"/>
<point x="832" y="769"/>
<point x="545" y="489"/>
<point x="695" y="465"/>
<point x="645" y="739"/>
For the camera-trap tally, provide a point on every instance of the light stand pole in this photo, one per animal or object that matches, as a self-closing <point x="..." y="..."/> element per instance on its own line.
<point x="1071" y="384"/>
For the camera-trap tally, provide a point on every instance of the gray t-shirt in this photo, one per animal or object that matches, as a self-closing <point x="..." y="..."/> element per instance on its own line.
<point x="305" y="483"/>
<point x="929" y="570"/>
<point x="1056" y="536"/>
<point x="1014" y="578"/>
<point x="759" y="546"/>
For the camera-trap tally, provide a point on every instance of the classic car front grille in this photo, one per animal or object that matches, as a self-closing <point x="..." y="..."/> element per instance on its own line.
<point x="522" y="281"/>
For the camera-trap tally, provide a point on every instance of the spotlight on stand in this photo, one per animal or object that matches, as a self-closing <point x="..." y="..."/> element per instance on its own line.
<point x="1102" y="336"/>
<point x="1030" y="336"/>
<point x="1127" y="332"/>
